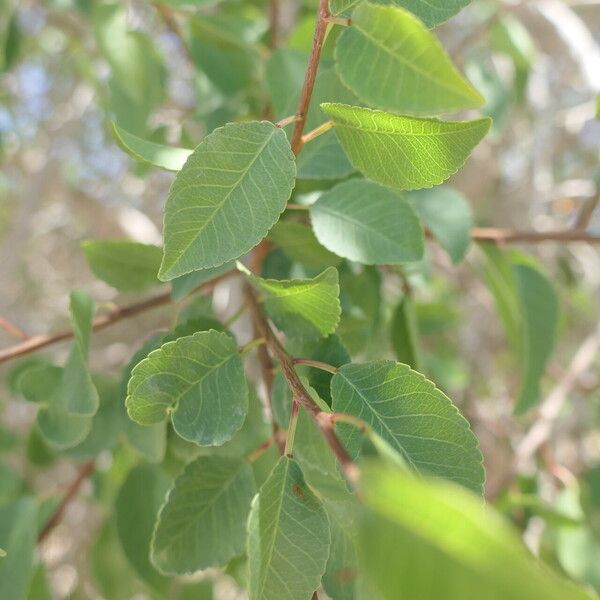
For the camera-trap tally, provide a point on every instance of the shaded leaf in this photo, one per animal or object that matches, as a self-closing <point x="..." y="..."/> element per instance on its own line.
<point x="404" y="333"/>
<point x="404" y="152"/>
<point x="203" y="521"/>
<point x="367" y="223"/>
<point x="199" y="380"/>
<point x="412" y="416"/>
<point x="184" y="285"/>
<point x="227" y="196"/>
<point x="125" y="265"/>
<point x="288" y="537"/>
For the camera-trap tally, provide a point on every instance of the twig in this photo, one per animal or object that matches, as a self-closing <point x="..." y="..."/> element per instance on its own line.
<point x="274" y="22"/>
<point x="13" y="329"/>
<point x="287" y="121"/>
<point x="493" y="234"/>
<point x="311" y="75"/>
<point x="587" y="211"/>
<point x="72" y="491"/>
<point x="118" y="314"/>
<point x="550" y="410"/>
<point x="317" y="131"/>
<point x="299" y="392"/>
<point x="258" y="452"/>
<point x="317" y="364"/>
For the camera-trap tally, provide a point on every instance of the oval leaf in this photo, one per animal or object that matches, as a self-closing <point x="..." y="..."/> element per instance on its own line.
<point x="200" y="378"/>
<point x="393" y="46"/>
<point x="412" y="416"/>
<point x="288" y="537"/>
<point x="367" y="223"/>
<point x="404" y="152"/>
<point x="203" y="521"/>
<point x="227" y="196"/>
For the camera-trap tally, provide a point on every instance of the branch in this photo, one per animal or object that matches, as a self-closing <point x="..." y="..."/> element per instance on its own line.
<point x="311" y="74"/>
<point x="84" y="472"/>
<point x="501" y="236"/>
<point x="299" y="392"/>
<point x="114" y="316"/>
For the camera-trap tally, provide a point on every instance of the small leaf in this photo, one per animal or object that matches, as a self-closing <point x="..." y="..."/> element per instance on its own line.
<point x="299" y="243"/>
<point x="171" y="159"/>
<point x="540" y="311"/>
<point x="203" y="521"/>
<point x="136" y="509"/>
<point x="408" y="69"/>
<point x="302" y="307"/>
<point x="412" y="524"/>
<point x="412" y="416"/>
<point x="367" y="223"/>
<point x="404" y="333"/>
<point x="200" y="380"/>
<point x="77" y="392"/>
<point x="288" y="537"/>
<point x="404" y="152"/>
<point x="125" y="265"/>
<point x="449" y="217"/>
<point x="18" y="533"/>
<point x="227" y="196"/>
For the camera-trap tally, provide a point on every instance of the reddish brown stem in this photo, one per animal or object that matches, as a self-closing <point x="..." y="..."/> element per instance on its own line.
<point x="311" y="74"/>
<point x="13" y="329"/>
<point x="114" y="316"/>
<point x="84" y="472"/>
<point x="500" y="236"/>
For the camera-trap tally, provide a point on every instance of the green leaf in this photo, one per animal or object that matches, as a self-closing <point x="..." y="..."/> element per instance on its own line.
<point x="367" y="223"/>
<point x="203" y="522"/>
<point x="125" y="265"/>
<point x="288" y="537"/>
<point x="302" y="307"/>
<point x="412" y="524"/>
<point x="184" y="285"/>
<point x="431" y="12"/>
<point x="299" y="243"/>
<point x="40" y="586"/>
<point x="408" y="69"/>
<point x="404" y="333"/>
<point x="228" y="195"/>
<point x="404" y="152"/>
<point x="136" y="509"/>
<point x="449" y="217"/>
<point x="412" y="416"/>
<point x="540" y="311"/>
<point x="200" y="380"/>
<point x="159" y="155"/>
<point x="18" y="535"/>
<point x="77" y="392"/>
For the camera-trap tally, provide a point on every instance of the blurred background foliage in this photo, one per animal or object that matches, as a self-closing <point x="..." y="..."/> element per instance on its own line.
<point x="173" y="71"/>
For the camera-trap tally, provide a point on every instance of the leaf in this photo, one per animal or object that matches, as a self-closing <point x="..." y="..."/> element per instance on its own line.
<point x="136" y="509"/>
<point x="184" y="285"/>
<point x="412" y="416"/>
<point x="125" y="265"/>
<point x="449" y="217"/>
<point x="18" y="536"/>
<point x="77" y="392"/>
<point x="540" y="311"/>
<point x="302" y="307"/>
<point x="408" y="69"/>
<point x="431" y="12"/>
<point x="404" y="152"/>
<point x="200" y="380"/>
<point x="288" y="537"/>
<point x="159" y="155"/>
<point x="227" y="196"/>
<point x="367" y="223"/>
<point x="412" y="524"/>
<point x="404" y="333"/>
<point x="203" y="521"/>
<point x="299" y="243"/>
<point x="40" y="586"/>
